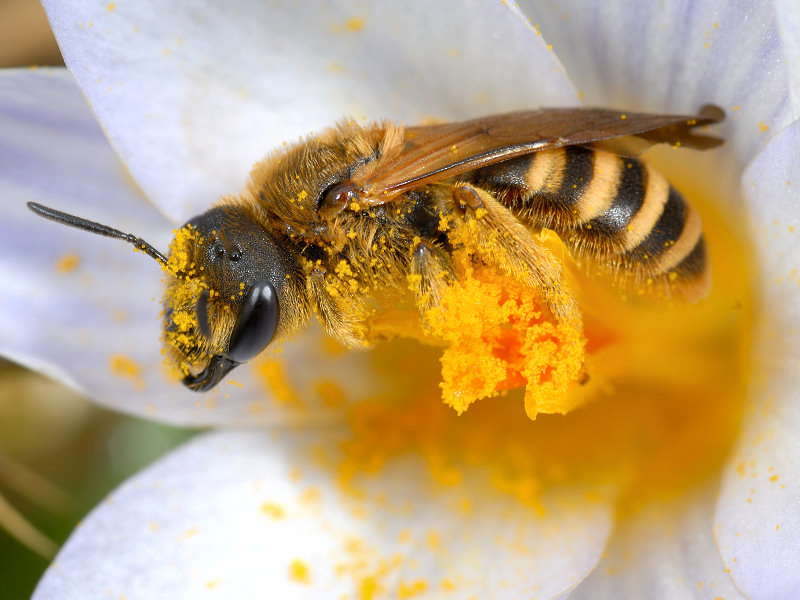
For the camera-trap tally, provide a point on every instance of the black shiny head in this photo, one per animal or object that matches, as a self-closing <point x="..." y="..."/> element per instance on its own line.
<point x="229" y="259"/>
<point x="243" y="273"/>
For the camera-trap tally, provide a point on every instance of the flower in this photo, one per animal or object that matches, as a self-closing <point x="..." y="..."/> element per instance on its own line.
<point x="189" y="100"/>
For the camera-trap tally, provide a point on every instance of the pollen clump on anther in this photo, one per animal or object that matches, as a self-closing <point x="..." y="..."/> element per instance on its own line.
<point x="500" y="336"/>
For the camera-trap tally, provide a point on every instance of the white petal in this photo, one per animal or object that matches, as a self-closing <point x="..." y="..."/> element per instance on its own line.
<point x="192" y="96"/>
<point x="676" y="57"/>
<point x="757" y="513"/>
<point x="230" y="513"/>
<point x="664" y="550"/>
<point x="88" y="323"/>
<point x="788" y="17"/>
<point x="69" y="299"/>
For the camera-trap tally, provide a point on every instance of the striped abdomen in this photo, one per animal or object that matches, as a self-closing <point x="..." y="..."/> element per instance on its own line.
<point x="616" y="214"/>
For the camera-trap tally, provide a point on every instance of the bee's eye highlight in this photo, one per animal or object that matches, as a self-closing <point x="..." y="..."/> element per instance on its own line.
<point x="255" y="324"/>
<point x="235" y="253"/>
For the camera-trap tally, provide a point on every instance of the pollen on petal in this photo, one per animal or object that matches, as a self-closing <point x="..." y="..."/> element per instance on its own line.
<point x="354" y="24"/>
<point x="273" y="510"/>
<point x="331" y="394"/>
<point x="411" y="589"/>
<point x="68" y="263"/>
<point x="368" y="588"/>
<point x="272" y="374"/>
<point x="300" y="572"/>
<point x="126" y="368"/>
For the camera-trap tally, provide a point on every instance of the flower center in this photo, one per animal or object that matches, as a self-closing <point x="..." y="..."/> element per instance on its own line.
<point x="500" y="336"/>
<point x="658" y="412"/>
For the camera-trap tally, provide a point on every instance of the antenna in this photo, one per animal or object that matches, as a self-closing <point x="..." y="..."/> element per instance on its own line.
<point x="98" y="228"/>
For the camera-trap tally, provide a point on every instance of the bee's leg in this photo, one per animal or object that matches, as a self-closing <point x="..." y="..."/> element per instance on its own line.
<point x="501" y="239"/>
<point x="338" y="317"/>
<point x="431" y="273"/>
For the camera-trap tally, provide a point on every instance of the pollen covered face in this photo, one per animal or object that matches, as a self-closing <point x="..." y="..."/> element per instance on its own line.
<point x="189" y="346"/>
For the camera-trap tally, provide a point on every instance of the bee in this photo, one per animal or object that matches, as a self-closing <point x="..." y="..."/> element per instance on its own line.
<point x="352" y="219"/>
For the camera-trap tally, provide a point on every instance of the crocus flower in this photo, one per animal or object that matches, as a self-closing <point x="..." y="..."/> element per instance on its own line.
<point x="328" y="474"/>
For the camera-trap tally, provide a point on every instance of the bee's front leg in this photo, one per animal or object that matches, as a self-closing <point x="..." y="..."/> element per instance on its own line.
<point x="500" y="239"/>
<point x="431" y="273"/>
<point x="339" y="311"/>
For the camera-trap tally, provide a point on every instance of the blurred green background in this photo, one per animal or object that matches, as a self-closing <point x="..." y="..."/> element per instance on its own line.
<point x="59" y="454"/>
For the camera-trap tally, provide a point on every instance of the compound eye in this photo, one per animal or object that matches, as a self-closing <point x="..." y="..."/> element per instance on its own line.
<point x="256" y="322"/>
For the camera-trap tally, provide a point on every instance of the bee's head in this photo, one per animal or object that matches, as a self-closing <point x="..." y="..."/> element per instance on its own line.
<point x="232" y="289"/>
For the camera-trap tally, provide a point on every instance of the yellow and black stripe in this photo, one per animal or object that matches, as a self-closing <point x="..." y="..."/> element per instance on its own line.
<point x="617" y="214"/>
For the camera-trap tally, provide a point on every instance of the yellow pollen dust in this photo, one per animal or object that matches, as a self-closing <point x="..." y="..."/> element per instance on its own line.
<point x="273" y="510"/>
<point x="653" y="409"/>
<point x="331" y="394"/>
<point x="299" y="572"/>
<point x="186" y="351"/>
<point x="181" y="251"/>
<point x="68" y="263"/>
<point x="354" y="24"/>
<point x="411" y="589"/>
<point x="123" y="366"/>
<point x="272" y="374"/>
<point x="500" y="337"/>
<point x="367" y="588"/>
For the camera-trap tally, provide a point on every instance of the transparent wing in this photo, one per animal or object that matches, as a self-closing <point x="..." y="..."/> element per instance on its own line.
<point x="435" y="152"/>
